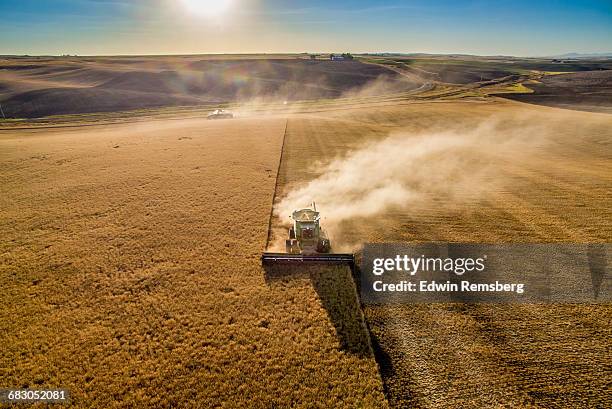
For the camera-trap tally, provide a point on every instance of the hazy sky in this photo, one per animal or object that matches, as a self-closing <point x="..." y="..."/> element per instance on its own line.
<point x="517" y="27"/>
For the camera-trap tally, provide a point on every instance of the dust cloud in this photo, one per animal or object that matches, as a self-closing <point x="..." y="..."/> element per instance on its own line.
<point x="382" y="85"/>
<point x="293" y="98"/>
<point x="412" y="171"/>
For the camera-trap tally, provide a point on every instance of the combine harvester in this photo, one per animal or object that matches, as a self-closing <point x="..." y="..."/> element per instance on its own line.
<point x="220" y="114"/>
<point x="307" y="243"/>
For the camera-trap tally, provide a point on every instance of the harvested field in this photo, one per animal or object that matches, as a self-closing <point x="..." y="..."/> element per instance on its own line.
<point x="452" y="355"/>
<point x="131" y="275"/>
<point x="586" y="91"/>
<point x="34" y="88"/>
<point x="546" y="180"/>
<point x="575" y="84"/>
<point x="469" y="69"/>
<point x="558" y="166"/>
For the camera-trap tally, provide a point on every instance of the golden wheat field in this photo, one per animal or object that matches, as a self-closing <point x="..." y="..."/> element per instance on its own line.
<point x="130" y="272"/>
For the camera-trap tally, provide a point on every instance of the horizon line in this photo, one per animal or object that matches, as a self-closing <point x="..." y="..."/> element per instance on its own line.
<point x="567" y="54"/>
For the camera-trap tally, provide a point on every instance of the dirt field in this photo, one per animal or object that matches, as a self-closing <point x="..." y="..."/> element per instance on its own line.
<point x="465" y="69"/>
<point x="546" y="180"/>
<point x="35" y="87"/>
<point x="587" y="91"/>
<point x="129" y="264"/>
<point x="573" y="84"/>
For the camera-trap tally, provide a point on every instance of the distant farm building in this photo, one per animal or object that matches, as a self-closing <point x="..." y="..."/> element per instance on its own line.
<point x="341" y="57"/>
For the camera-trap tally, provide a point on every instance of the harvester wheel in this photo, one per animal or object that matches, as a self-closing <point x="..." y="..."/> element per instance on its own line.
<point x="323" y="246"/>
<point x="288" y="246"/>
<point x="292" y="246"/>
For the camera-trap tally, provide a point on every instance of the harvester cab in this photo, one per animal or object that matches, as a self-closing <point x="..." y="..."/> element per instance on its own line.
<point x="306" y="235"/>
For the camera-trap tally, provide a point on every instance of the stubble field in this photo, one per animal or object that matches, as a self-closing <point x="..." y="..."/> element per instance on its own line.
<point x="527" y="175"/>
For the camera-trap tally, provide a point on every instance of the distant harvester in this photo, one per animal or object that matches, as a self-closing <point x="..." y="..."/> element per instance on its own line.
<point x="220" y="114"/>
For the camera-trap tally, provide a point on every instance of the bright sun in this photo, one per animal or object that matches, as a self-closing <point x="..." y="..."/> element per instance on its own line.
<point x="210" y="8"/>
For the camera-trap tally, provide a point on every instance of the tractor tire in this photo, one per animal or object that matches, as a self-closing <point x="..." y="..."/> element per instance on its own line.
<point x="323" y="246"/>
<point x="292" y="246"/>
<point x="288" y="246"/>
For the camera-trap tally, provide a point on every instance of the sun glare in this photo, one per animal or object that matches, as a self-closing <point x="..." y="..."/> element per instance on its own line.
<point x="208" y="8"/>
